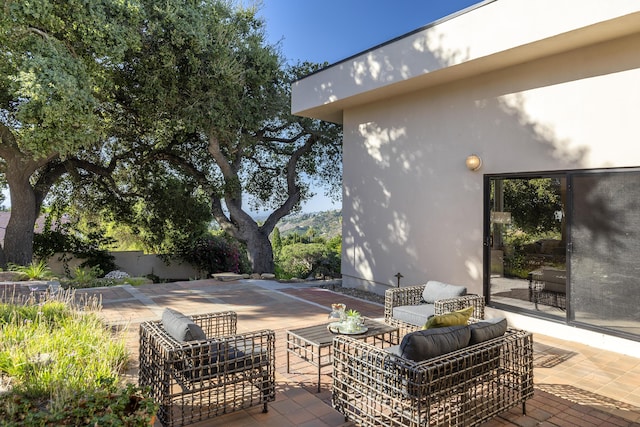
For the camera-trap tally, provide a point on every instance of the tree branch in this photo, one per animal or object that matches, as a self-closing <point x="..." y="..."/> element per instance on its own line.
<point x="293" y="189"/>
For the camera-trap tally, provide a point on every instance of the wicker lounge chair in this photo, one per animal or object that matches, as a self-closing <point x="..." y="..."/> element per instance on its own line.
<point x="407" y="309"/>
<point x="375" y="387"/>
<point x="196" y="379"/>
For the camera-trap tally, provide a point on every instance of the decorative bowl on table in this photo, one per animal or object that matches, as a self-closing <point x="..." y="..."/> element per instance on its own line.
<point x="350" y="326"/>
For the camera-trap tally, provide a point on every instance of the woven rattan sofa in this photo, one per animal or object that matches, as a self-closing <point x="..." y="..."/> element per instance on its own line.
<point x="409" y="307"/>
<point x="195" y="377"/>
<point x="376" y="387"/>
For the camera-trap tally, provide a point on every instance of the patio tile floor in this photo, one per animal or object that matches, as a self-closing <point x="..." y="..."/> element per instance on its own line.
<point x="576" y="385"/>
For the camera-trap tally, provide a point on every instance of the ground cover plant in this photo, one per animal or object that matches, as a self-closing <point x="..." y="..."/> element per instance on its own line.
<point x="36" y="270"/>
<point x="60" y="365"/>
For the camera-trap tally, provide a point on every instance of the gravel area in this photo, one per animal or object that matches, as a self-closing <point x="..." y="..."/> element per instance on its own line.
<point x="358" y="293"/>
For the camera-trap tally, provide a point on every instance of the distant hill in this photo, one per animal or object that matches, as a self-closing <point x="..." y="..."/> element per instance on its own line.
<point x="327" y="224"/>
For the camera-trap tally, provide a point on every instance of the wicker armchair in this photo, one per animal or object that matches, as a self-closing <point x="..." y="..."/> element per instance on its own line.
<point x="374" y="387"/>
<point x="196" y="380"/>
<point x="412" y="295"/>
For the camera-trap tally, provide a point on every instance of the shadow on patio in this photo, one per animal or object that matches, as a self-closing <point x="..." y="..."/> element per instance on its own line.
<point x="576" y="385"/>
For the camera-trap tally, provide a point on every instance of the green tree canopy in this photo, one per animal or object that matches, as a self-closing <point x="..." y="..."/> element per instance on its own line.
<point x="533" y="203"/>
<point x="136" y="101"/>
<point x="57" y="60"/>
<point x="221" y="119"/>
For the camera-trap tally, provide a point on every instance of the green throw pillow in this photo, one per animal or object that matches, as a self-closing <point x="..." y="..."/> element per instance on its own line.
<point x="454" y="318"/>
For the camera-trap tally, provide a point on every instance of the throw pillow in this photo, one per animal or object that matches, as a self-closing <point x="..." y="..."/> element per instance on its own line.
<point x="423" y="345"/>
<point x="181" y="327"/>
<point x="454" y="318"/>
<point x="435" y="291"/>
<point x="487" y="330"/>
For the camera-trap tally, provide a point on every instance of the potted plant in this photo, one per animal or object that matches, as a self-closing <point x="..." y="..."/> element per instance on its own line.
<point x="354" y="320"/>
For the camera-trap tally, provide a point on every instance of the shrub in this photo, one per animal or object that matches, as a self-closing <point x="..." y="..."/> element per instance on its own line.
<point x="47" y="346"/>
<point x="302" y="260"/>
<point x="34" y="271"/>
<point x="67" y="239"/>
<point x="84" y="276"/>
<point x="64" y="366"/>
<point x="137" y="281"/>
<point x="216" y="254"/>
<point x="111" y="406"/>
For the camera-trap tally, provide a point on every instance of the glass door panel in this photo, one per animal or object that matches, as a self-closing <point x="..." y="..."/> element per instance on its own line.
<point x="527" y="243"/>
<point x="605" y="236"/>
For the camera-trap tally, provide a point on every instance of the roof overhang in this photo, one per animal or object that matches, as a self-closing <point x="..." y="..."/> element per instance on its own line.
<point x="493" y="35"/>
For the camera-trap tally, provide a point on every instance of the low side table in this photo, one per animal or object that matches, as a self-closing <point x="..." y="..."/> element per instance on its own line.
<point x="313" y="343"/>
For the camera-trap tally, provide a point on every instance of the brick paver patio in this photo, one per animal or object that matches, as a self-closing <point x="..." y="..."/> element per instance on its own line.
<point x="576" y="385"/>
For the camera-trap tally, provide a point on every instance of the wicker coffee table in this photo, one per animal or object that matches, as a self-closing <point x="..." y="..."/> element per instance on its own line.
<point x="313" y="343"/>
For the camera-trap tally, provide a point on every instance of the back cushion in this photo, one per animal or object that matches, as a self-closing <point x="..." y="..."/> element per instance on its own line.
<point x="181" y="327"/>
<point x="426" y="344"/>
<point x="487" y="330"/>
<point x="454" y="318"/>
<point x="435" y="291"/>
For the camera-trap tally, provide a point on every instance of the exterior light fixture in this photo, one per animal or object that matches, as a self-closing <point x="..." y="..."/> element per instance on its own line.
<point x="473" y="162"/>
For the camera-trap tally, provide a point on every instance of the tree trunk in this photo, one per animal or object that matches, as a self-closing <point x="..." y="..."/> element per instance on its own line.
<point x="3" y="260"/>
<point x="18" y="238"/>
<point x="260" y="253"/>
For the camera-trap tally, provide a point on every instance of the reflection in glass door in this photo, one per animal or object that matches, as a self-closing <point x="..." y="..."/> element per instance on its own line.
<point x="527" y="243"/>
<point x="605" y="236"/>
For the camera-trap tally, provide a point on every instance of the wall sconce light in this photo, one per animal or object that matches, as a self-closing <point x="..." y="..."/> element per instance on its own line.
<point x="473" y="162"/>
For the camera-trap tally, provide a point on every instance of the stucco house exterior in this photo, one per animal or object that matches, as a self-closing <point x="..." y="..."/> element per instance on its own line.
<point x="544" y="93"/>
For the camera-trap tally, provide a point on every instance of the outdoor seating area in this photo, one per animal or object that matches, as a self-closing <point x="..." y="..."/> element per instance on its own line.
<point x="574" y="385"/>
<point x="199" y="367"/>
<point x="466" y="387"/>
<point x="409" y="307"/>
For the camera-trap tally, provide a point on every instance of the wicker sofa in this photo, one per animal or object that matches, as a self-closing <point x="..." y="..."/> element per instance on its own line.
<point x="409" y="307"/>
<point x="198" y="367"/>
<point x="376" y="387"/>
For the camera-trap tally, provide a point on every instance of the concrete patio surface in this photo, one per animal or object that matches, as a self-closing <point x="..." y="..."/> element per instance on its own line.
<point x="576" y="385"/>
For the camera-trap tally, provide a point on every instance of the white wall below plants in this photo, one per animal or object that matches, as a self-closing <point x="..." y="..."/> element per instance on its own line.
<point x="135" y="263"/>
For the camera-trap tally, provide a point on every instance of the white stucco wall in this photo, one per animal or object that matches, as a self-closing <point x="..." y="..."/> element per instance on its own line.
<point x="528" y="86"/>
<point x="411" y="206"/>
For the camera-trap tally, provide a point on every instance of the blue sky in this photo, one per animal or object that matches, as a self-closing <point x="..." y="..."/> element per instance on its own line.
<point x="332" y="30"/>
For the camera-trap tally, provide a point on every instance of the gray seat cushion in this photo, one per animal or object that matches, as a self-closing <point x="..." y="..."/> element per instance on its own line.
<point x="426" y="344"/>
<point x="231" y="357"/>
<point x="414" y="314"/>
<point x="181" y="327"/>
<point x="487" y="330"/>
<point x="435" y="291"/>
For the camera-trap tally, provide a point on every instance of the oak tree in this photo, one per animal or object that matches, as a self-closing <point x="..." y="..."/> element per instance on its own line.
<point x="56" y="63"/>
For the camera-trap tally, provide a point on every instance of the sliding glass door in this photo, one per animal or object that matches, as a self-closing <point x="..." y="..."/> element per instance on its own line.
<point x="566" y="246"/>
<point x="605" y="250"/>
<point x="527" y="242"/>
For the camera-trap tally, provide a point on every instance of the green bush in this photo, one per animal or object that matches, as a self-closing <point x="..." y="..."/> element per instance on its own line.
<point x="111" y="406"/>
<point x="306" y="259"/>
<point x="84" y="276"/>
<point x="34" y="271"/>
<point x="48" y="346"/>
<point x="67" y="239"/>
<point x="216" y="254"/>
<point x="137" y="281"/>
<point x="64" y="367"/>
